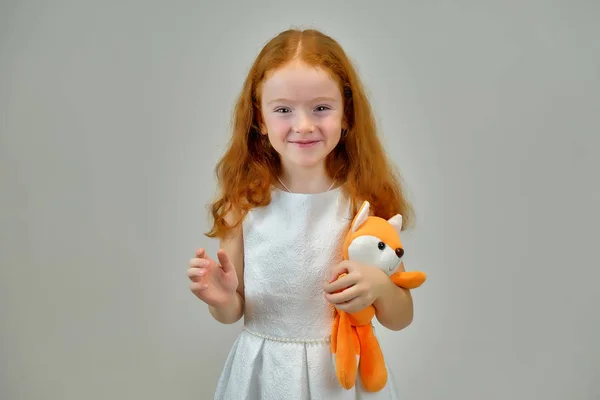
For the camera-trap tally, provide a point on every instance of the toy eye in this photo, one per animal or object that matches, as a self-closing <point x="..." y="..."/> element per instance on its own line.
<point x="381" y="245"/>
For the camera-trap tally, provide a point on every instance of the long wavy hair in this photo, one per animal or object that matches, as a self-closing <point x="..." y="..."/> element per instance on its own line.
<point x="249" y="166"/>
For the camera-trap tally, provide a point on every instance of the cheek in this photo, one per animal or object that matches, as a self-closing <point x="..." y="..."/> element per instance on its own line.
<point x="277" y="127"/>
<point x="332" y="127"/>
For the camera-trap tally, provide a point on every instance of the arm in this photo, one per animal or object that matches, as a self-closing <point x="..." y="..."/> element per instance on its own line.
<point x="233" y="245"/>
<point x="394" y="308"/>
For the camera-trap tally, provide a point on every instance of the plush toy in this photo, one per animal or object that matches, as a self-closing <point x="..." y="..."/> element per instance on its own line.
<point x="372" y="241"/>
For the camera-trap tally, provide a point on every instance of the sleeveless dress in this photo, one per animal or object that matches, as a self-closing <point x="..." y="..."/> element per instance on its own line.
<point x="283" y="351"/>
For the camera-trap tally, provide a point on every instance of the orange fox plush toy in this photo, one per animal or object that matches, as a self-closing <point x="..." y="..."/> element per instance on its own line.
<point x="356" y="351"/>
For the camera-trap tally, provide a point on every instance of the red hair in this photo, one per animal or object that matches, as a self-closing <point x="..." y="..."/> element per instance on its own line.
<point x="249" y="166"/>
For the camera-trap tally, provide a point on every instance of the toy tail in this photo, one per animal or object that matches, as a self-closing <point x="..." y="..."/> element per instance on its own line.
<point x="372" y="368"/>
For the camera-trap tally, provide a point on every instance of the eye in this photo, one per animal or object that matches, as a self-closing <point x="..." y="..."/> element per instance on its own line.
<point x="282" y="110"/>
<point x="322" y="108"/>
<point x="381" y="245"/>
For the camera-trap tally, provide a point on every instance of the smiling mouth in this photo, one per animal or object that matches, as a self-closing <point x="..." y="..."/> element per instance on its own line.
<point x="305" y="143"/>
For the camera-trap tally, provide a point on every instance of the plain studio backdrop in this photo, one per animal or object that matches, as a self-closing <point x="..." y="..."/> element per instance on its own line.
<point x="113" y="114"/>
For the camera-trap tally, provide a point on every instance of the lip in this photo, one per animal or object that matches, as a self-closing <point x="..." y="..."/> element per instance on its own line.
<point x="304" y="143"/>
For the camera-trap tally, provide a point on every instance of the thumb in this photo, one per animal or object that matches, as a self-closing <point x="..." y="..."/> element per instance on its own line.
<point x="225" y="261"/>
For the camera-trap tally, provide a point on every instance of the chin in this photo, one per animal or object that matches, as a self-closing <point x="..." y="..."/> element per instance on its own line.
<point x="308" y="164"/>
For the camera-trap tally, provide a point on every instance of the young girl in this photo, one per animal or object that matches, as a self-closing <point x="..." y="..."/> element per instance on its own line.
<point x="303" y="156"/>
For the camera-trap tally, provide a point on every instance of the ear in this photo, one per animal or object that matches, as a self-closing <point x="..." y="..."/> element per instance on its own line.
<point x="361" y="216"/>
<point x="396" y="222"/>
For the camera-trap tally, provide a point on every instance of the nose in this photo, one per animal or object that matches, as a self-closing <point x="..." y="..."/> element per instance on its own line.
<point x="399" y="252"/>
<point x="304" y="124"/>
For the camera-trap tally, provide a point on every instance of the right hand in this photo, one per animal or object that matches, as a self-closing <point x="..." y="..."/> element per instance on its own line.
<point x="213" y="283"/>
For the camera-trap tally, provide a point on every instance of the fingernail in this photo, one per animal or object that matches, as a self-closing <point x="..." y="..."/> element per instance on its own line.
<point x="200" y="273"/>
<point x="203" y="263"/>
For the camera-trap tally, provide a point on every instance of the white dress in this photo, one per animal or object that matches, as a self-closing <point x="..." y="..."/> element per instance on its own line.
<point x="283" y="351"/>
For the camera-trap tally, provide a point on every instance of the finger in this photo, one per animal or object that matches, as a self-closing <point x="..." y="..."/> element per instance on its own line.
<point x="225" y="261"/>
<point x="196" y="274"/>
<point x="342" y="297"/>
<point x="337" y="270"/>
<point x="201" y="253"/>
<point x="198" y="286"/>
<point x="199" y="263"/>
<point x="342" y="283"/>
<point x="352" y="306"/>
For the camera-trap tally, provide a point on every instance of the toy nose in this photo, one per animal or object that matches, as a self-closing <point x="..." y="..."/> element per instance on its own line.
<point x="399" y="252"/>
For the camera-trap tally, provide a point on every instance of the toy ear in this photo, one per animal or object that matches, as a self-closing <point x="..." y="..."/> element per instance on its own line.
<point x="361" y="216"/>
<point x="396" y="222"/>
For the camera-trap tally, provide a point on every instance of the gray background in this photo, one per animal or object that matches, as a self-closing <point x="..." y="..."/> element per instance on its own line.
<point x="112" y="115"/>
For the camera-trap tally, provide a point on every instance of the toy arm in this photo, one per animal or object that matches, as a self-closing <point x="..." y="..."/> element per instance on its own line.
<point x="408" y="280"/>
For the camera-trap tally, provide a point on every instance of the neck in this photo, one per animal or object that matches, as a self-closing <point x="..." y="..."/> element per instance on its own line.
<point x="309" y="181"/>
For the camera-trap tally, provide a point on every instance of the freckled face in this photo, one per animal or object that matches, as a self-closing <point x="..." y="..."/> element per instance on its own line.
<point x="302" y="110"/>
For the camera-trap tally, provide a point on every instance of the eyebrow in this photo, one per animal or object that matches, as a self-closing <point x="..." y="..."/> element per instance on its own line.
<point x="282" y="100"/>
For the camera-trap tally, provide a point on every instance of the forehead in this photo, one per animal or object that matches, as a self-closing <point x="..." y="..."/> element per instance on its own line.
<point x="298" y="81"/>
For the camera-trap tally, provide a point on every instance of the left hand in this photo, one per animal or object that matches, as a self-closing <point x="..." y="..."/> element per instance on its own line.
<point x="358" y="289"/>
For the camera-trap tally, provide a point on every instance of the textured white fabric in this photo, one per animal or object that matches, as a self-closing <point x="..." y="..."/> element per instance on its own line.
<point x="283" y="352"/>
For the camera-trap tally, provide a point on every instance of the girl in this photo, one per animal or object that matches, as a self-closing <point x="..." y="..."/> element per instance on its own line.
<point x="303" y="157"/>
